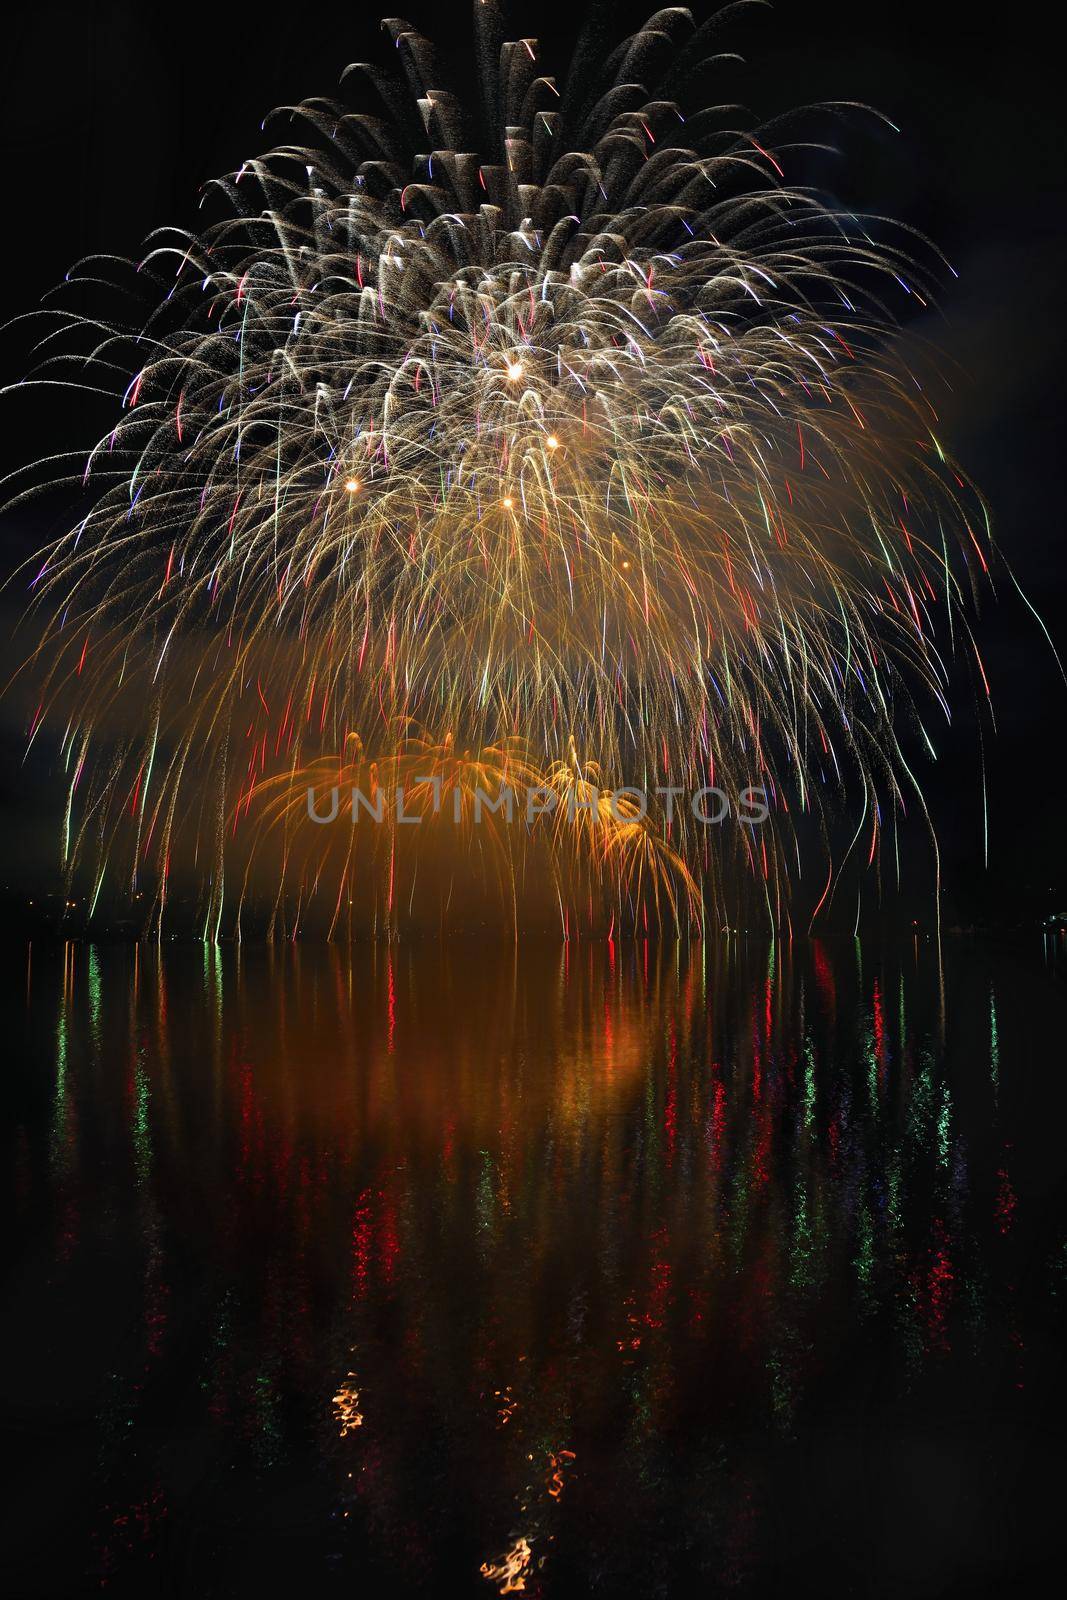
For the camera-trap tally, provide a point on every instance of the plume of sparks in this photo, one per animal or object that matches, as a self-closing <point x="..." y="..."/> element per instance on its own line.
<point x="566" y="437"/>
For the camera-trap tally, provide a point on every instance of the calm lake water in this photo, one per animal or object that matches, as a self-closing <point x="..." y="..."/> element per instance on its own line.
<point x="586" y="1271"/>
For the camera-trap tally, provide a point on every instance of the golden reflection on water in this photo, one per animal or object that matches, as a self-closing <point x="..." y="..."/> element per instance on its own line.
<point x="346" y="1407"/>
<point x="584" y="1221"/>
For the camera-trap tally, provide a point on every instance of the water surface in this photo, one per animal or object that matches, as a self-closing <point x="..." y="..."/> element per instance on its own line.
<point x="571" y="1271"/>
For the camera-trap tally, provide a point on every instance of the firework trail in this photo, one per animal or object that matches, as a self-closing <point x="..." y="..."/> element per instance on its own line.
<point x="565" y="438"/>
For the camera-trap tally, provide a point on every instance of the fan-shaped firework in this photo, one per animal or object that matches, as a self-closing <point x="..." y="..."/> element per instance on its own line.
<point x="578" y="428"/>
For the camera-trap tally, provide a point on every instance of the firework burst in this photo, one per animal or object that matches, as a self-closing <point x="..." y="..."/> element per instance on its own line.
<point x="569" y="437"/>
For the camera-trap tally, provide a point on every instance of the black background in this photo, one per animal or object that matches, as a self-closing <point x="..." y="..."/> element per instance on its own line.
<point x="113" y="115"/>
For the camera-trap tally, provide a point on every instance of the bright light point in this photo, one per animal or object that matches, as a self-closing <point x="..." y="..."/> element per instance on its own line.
<point x="552" y="442"/>
<point x="507" y="502"/>
<point x="352" y="486"/>
<point x="626" y="566"/>
<point x="515" y="370"/>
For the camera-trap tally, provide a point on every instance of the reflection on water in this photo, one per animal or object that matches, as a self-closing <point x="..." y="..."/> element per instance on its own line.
<point x="580" y="1271"/>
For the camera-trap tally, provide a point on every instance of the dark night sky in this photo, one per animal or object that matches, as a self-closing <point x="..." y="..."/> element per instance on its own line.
<point x="113" y="115"/>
